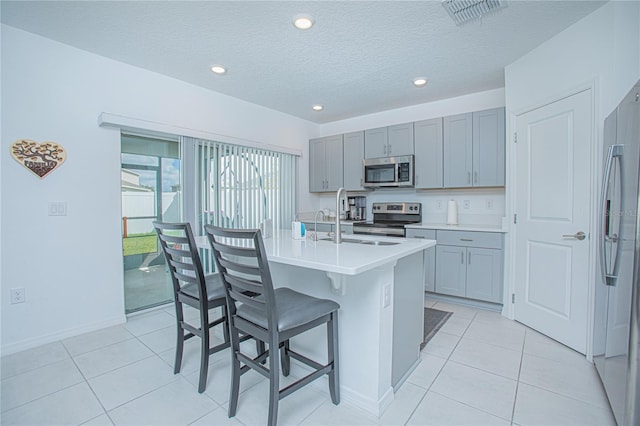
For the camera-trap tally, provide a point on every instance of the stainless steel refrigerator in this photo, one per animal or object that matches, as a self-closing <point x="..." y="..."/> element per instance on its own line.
<point x="617" y="316"/>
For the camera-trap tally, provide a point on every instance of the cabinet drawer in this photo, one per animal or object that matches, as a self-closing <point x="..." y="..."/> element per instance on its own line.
<point x="470" y="239"/>
<point x="429" y="234"/>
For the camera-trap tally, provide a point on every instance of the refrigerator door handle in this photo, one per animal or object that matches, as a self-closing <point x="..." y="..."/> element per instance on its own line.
<point x="609" y="277"/>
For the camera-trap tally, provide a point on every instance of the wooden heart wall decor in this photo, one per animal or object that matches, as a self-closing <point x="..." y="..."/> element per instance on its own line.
<point x="40" y="158"/>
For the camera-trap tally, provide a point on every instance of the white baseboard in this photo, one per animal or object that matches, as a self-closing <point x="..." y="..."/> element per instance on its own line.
<point x="22" y="345"/>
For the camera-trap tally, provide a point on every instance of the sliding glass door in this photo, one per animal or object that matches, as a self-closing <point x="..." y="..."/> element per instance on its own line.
<point x="150" y="190"/>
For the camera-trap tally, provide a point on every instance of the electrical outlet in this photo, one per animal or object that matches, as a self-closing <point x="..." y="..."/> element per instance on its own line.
<point x="386" y="299"/>
<point x="18" y="295"/>
<point x="489" y="204"/>
<point x="466" y="204"/>
<point x="438" y="204"/>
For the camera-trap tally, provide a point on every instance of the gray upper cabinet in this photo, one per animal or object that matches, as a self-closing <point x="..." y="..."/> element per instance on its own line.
<point x="474" y="145"/>
<point x="458" y="150"/>
<point x="353" y="157"/>
<point x="391" y="141"/>
<point x="375" y="142"/>
<point x="488" y="147"/>
<point x="325" y="164"/>
<point x="400" y="140"/>
<point x="428" y="144"/>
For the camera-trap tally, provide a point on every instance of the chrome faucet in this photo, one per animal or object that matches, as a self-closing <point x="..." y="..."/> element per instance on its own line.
<point x="315" y="225"/>
<point x="341" y="192"/>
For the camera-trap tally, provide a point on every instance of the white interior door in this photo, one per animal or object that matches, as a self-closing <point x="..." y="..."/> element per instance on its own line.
<point x="553" y="203"/>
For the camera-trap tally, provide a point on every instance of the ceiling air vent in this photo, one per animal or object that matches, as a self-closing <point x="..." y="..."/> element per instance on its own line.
<point x="463" y="11"/>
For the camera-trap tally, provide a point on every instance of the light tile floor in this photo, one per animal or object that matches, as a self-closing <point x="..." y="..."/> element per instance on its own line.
<point x="480" y="369"/>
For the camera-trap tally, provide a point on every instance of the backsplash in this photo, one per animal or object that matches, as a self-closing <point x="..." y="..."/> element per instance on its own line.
<point x="484" y="206"/>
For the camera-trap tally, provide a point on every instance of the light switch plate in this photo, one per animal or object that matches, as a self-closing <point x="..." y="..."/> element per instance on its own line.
<point x="57" y="208"/>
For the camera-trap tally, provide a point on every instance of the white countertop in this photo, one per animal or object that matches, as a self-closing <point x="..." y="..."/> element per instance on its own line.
<point x="346" y="258"/>
<point x="467" y="227"/>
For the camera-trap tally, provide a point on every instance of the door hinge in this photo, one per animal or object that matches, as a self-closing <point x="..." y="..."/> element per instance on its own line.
<point x="513" y="298"/>
<point x="515" y="137"/>
<point x="515" y="218"/>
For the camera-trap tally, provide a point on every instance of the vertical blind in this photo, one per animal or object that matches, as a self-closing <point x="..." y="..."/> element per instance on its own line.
<point x="239" y="187"/>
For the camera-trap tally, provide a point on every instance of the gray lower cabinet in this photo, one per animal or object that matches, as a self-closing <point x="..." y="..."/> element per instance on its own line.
<point x="469" y="264"/>
<point x="429" y="256"/>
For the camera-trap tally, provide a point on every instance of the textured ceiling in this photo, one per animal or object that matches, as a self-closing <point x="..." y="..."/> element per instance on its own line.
<point x="359" y="58"/>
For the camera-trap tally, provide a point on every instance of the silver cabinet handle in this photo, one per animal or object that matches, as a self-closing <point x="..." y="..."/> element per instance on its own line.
<point x="578" y="235"/>
<point x="475" y="177"/>
<point x="462" y="258"/>
<point x="466" y="239"/>
<point x="468" y="177"/>
<point x="469" y="258"/>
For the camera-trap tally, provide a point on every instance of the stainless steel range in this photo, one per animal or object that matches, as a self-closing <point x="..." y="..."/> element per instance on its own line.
<point x="390" y="219"/>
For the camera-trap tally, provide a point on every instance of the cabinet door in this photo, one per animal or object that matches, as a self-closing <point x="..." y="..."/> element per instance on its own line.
<point x="316" y="165"/>
<point x="451" y="270"/>
<point x="428" y="151"/>
<point x="488" y="147"/>
<point x="484" y="274"/>
<point x="333" y="163"/>
<point x="353" y="156"/>
<point x="458" y="150"/>
<point x="400" y="140"/>
<point x="375" y="142"/>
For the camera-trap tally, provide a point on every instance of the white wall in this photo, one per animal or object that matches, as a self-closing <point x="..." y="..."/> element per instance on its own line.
<point x="71" y="266"/>
<point x="601" y="50"/>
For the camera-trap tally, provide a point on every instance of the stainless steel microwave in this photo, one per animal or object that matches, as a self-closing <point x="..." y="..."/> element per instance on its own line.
<point x="388" y="172"/>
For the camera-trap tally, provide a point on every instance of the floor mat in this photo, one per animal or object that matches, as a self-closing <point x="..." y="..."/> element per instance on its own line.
<point x="433" y="320"/>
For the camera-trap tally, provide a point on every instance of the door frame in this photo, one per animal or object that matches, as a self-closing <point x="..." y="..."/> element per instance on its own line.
<point x="511" y="196"/>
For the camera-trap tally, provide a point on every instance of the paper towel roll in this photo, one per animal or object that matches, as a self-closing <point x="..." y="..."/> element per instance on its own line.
<point x="452" y="213"/>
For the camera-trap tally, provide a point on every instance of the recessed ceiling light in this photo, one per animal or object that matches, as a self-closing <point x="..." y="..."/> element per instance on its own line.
<point x="303" y="21"/>
<point x="317" y="107"/>
<point x="218" y="69"/>
<point x="420" y="82"/>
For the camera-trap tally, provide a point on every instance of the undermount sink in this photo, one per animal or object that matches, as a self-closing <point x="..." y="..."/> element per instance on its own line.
<point x="366" y="242"/>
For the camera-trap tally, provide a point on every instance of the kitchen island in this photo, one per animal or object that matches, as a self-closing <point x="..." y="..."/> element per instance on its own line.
<point x="379" y="285"/>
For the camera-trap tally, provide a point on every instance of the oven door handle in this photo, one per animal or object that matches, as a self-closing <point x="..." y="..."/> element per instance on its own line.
<point x="378" y="231"/>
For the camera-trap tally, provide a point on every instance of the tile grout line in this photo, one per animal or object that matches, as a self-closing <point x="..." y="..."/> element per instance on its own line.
<point x="90" y="387"/>
<point x="515" y="396"/>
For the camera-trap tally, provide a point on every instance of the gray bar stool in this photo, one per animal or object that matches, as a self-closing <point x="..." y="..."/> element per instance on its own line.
<point x="273" y="316"/>
<point x="193" y="288"/>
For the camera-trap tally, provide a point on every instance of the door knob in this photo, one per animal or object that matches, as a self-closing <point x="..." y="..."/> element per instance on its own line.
<point x="578" y="235"/>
